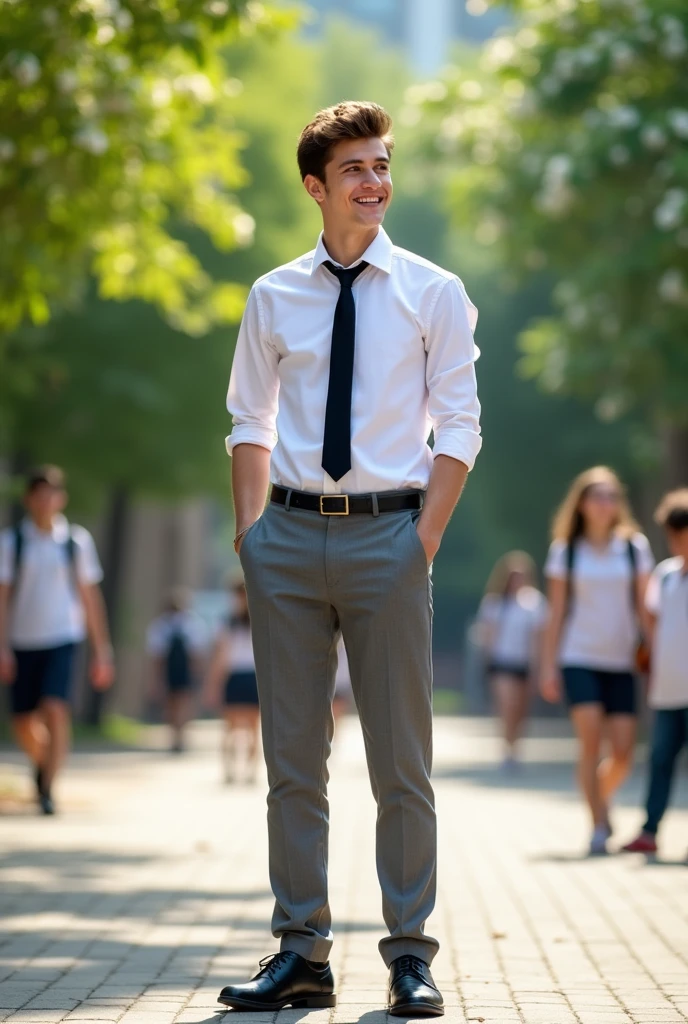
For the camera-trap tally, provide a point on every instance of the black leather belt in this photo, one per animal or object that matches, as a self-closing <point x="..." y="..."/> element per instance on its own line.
<point x="346" y="504"/>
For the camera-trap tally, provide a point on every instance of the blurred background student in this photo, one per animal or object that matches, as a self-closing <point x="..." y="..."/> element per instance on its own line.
<point x="231" y="683"/>
<point x="667" y="603"/>
<point x="50" y="599"/>
<point x="510" y="621"/>
<point x="598" y="568"/>
<point x="175" y="643"/>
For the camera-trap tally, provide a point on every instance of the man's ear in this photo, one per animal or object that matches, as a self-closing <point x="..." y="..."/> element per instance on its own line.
<point x="315" y="187"/>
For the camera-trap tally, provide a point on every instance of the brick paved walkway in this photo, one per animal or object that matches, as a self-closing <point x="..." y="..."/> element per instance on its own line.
<point x="149" y="892"/>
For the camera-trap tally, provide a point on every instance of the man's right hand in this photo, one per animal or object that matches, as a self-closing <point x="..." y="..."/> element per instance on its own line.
<point x="8" y="666"/>
<point x="240" y="538"/>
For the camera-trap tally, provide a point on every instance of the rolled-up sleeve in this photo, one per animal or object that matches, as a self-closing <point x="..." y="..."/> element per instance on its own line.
<point x="453" y="404"/>
<point x="254" y="382"/>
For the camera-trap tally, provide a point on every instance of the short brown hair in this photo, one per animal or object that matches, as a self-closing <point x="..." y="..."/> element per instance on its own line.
<point x="672" y="512"/>
<point x="53" y="476"/>
<point x="349" y="120"/>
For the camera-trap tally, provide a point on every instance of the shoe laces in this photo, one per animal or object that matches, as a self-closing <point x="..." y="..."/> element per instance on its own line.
<point x="412" y="965"/>
<point x="269" y="964"/>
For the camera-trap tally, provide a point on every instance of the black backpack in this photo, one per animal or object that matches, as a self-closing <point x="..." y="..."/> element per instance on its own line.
<point x="177" y="661"/>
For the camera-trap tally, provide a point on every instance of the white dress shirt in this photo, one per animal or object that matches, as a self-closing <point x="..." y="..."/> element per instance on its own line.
<point x="45" y="609"/>
<point x="413" y="371"/>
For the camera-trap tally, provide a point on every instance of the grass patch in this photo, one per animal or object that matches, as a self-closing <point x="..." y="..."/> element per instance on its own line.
<point x="447" y="702"/>
<point x="115" y="729"/>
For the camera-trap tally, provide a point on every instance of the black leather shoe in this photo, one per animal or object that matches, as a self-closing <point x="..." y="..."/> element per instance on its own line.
<point x="285" y="979"/>
<point x="412" y="992"/>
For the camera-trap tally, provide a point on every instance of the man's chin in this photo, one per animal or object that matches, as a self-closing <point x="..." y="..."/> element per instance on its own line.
<point x="372" y="218"/>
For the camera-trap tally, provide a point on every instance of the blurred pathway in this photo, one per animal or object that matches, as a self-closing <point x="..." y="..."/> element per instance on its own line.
<point x="149" y="892"/>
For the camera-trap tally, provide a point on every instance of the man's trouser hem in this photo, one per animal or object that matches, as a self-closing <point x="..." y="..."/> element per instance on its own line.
<point x="316" y="950"/>
<point x="390" y="949"/>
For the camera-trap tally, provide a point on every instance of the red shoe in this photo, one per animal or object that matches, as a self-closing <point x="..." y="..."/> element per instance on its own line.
<point x="644" y="843"/>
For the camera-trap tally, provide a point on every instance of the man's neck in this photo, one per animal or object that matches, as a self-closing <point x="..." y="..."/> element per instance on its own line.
<point x="345" y="247"/>
<point x="44" y="524"/>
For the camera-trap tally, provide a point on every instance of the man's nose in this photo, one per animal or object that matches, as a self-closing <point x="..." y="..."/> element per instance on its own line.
<point x="371" y="179"/>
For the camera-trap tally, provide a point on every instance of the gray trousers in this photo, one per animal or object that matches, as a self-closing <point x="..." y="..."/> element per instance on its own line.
<point x="308" y="577"/>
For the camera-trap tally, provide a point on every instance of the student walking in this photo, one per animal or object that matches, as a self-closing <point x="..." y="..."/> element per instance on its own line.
<point x="667" y="603"/>
<point x="232" y="682"/>
<point x="598" y="567"/>
<point x="49" y="599"/>
<point x="175" y="642"/>
<point x="346" y="358"/>
<point x="510" y="621"/>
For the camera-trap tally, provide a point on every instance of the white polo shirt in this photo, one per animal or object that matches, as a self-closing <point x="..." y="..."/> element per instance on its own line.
<point x="517" y="619"/>
<point x="601" y="628"/>
<point x="667" y="598"/>
<point x="45" y="609"/>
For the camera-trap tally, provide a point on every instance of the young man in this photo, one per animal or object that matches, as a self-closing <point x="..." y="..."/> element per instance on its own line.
<point x="346" y="358"/>
<point x="667" y="602"/>
<point x="49" y="596"/>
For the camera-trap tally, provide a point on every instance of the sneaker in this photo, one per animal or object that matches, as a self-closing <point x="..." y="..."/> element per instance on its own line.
<point x="644" y="843"/>
<point x="46" y="804"/>
<point x="598" y="840"/>
<point x="510" y="766"/>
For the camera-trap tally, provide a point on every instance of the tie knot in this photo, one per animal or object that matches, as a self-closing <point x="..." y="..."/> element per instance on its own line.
<point x="346" y="275"/>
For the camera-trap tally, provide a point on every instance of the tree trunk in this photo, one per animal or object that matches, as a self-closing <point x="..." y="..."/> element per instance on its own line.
<point x="676" y="456"/>
<point x="113" y="564"/>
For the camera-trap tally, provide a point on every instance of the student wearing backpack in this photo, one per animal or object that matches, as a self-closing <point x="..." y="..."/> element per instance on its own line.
<point x="49" y="599"/>
<point x="667" y="603"/>
<point x="175" y="643"/>
<point x="598" y="568"/>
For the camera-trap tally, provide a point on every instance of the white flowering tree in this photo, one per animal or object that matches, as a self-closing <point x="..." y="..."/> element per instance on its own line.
<point x="570" y="144"/>
<point x="117" y="136"/>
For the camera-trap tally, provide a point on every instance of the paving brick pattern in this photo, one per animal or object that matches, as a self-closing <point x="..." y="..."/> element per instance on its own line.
<point x="149" y="892"/>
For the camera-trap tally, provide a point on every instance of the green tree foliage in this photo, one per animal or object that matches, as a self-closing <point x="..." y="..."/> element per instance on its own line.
<point x="114" y="392"/>
<point x="568" y="146"/>
<point x="116" y="123"/>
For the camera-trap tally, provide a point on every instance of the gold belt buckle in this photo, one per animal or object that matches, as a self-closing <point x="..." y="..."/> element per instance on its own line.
<point x="334" y="497"/>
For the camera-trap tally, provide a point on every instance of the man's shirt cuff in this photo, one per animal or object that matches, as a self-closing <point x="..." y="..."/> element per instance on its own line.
<point x="251" y="433"/>
<point x="463" y="445"/>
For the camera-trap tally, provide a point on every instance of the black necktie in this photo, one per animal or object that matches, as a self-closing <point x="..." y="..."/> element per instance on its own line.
<point x="336" y="456"/>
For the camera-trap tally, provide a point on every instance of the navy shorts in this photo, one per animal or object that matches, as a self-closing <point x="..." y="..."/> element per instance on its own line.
<point x="241" y="688"/>
<point x="41" y="673"/>
<point x="615" y="691"/>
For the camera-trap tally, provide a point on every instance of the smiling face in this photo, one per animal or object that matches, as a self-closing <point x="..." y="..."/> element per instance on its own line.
<point x="357" y="189"/>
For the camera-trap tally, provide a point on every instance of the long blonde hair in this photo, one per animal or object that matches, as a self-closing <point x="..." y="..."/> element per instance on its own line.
<point x="511" y="562"/>
<point x="569" y="523"/>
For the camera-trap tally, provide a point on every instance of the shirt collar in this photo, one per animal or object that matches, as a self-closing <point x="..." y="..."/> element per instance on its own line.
<point x="378" y="253"/>
<point x="59" y="532"/>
